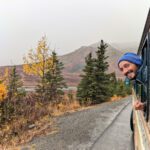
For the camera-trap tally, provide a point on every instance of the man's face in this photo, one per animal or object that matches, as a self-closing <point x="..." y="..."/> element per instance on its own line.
<point x="128" y="69"/>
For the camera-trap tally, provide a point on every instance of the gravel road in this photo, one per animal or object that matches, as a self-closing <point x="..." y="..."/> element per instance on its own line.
<point x="82" y="130"/>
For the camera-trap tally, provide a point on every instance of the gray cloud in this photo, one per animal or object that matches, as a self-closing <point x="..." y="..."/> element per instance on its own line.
<point x="68" y="24"/>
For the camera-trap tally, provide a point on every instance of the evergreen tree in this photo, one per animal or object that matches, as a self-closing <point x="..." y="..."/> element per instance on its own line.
<point x="122" y="89"/>
<point x="119" y="87"/>
<point x="84" y="90"/>
<point x="101" y="79"/>
<point x="95" y="83"/>
<point x="14" y="83"/>
<point x="113" y="83"/>
<point x="54" y="79"/>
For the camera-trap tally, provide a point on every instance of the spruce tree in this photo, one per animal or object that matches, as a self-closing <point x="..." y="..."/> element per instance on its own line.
<point x="113" y="83"/>
<point x="122" y="89"/>
<point x="54" y="79"/>
<point x="84" y="90"/>
<point x="101" y="79"/>
<point x="95" y="83"/>
<point x="14" y="83"/>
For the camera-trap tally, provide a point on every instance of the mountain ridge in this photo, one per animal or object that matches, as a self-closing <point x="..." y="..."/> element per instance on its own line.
<point x="74" y="62"/>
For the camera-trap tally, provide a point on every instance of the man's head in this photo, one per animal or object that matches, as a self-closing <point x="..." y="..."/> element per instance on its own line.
<point x="129" y="64"/>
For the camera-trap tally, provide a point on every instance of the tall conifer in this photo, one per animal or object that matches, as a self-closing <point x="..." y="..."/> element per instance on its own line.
<point x="14" y="83"/>
<point x="101" y="79"/>
<point x="94" y="85"/>
<point x="84" y="92"/>
<point x="54" y="79"/>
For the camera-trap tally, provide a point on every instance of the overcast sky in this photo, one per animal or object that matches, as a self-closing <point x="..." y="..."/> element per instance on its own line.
<point x="68" y="24"/>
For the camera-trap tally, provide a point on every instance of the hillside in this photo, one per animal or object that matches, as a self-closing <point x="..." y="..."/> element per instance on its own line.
<point x="74" y="63"/>
<point x="128" y="46"/>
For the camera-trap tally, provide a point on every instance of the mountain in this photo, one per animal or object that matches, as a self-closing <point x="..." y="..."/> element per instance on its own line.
<point x="28" y="80"/>
<point x="74" y="62"/>
<point x="126" y="46"/>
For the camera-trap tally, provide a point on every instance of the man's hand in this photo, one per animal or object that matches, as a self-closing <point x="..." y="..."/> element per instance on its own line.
<point x="138" y="105"/>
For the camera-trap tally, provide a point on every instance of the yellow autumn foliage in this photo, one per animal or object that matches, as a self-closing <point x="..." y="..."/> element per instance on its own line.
<point x="38" y="61"/>
<point x="3" y="91"/>
<point x="3" y="84"/>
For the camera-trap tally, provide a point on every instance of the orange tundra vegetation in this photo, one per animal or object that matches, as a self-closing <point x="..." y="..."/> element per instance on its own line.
<point x="3" y="85"/>
<point x="3" y="91"/>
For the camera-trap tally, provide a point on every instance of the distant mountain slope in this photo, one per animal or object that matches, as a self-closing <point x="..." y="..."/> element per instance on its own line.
<point x="126" y="47"/>
<point x="74" y="62"/>
<point x="28" y="80"/>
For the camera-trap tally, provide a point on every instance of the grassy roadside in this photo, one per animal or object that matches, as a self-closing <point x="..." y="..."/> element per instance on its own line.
<point x="44" y="125"/>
